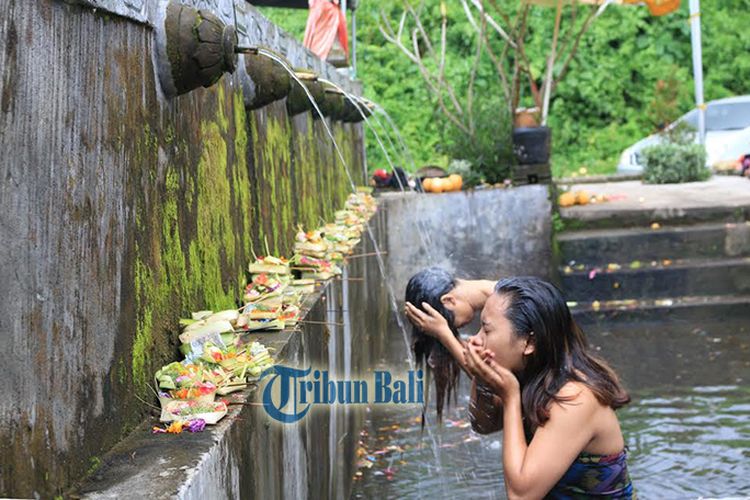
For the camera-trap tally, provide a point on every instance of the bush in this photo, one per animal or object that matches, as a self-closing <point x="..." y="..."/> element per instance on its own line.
<point x="469" y="175"/>
<point x="490" y="152"/>
<point x="671" y="162"/>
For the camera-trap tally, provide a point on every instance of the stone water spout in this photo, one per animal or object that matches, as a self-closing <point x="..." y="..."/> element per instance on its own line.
<point x="195" y="49"/>
<point x="333" y="105"/>
<point x="298" y="101"/>
<point x="268" y="82"/>
<point x="357" y="109"/>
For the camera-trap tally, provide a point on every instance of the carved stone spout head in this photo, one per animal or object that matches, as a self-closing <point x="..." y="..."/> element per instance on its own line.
<point x="195" y="49"/>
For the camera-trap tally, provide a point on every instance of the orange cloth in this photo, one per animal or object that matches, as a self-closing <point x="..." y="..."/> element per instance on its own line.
<point x="324" y="23"/>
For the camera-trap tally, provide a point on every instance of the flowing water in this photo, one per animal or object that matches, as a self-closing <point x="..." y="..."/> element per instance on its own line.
<point x="378" y="253"/>
<point x="687" y="429"/>
<point x="424" y="239"/>
<point x="397" y="132"/>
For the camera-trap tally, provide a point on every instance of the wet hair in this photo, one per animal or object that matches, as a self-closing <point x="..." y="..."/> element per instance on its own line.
<point x="428" y="286"/>
<point x="536" y="309"/>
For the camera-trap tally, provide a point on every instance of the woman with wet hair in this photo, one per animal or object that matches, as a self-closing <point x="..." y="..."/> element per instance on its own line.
<point x="456" y="301"/>
<point x="561" y="437"/>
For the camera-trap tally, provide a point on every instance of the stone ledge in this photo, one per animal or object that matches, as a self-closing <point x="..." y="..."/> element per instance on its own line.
<point x="246" y="454"/>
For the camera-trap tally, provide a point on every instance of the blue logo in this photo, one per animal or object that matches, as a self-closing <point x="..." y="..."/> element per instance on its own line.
<point x="290" y="392"/>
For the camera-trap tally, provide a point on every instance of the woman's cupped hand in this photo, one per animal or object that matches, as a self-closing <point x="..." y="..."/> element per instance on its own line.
<point x="481" y="364"/>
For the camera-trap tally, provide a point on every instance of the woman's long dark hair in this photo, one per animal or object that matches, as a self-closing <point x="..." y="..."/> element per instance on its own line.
<point x="428" y="286"/>
<point x="561" y="354"/>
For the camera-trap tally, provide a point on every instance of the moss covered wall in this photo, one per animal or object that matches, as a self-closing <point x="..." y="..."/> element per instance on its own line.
<point x="121" y="212"/>
<point x="298" y="177"/>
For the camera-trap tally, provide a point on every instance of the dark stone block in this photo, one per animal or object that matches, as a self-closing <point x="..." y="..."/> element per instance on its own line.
<point x="532" y="174"/>
<point x="532" y="145"/>
<point x="332" y="105"/>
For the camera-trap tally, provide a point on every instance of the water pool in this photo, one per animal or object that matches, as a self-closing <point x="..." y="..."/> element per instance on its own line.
<point x="687" y="429"/>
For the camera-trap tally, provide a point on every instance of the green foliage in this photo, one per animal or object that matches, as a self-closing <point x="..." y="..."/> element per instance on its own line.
<point x="604" y="104"/>
<point x="682" y="133"/>
<point x="664" y="108"/>
<point x="558" y="224"/>
<point x="469" y="175"/>
<point x="670" y="163"/>
<point x="490" y="152"/>
<point x="599" y="108"/>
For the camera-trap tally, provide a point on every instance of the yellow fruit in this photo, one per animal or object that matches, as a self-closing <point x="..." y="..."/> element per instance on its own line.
<point x="427" y="184"/>
<point x="567" y="200"/>
<point x="456" y="182"/>
<point x="583" y="198"/>
<point x="438" y="185"/>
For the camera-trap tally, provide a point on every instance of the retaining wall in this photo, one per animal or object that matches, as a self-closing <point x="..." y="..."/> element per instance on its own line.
<point x="123" y="210"/>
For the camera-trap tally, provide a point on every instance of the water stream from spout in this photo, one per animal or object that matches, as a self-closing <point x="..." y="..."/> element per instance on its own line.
<point x="356" y="104"/>
<point x="378" y="254"/>
<point x="421" y="225"/>
<point x="397" y="132"/>
<point x="424" y="238"/>
<point x="393" y="146"/>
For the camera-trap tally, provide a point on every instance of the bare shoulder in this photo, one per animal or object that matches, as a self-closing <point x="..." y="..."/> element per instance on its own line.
<point x="576" y="397"/>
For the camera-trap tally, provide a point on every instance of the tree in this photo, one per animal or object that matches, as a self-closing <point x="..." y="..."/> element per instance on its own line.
<point x="501" y="34"/>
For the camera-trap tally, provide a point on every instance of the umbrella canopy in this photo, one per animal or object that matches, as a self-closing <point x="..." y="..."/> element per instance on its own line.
<point x="554" y="3"/>
<point x="656" y="7"/>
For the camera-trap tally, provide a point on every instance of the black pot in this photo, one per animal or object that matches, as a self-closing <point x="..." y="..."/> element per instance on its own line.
<point x="532" y="145"/>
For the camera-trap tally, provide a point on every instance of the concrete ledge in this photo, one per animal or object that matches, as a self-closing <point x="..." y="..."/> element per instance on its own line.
<point x="681" y="278"/>
<point x="699" y="310"/>
<point x="618" y="218"/>
<point x="720" y="199"/>
<point x="483" y="233"/>
<point x="248" y="455"/>
<point x="594" y="179"/>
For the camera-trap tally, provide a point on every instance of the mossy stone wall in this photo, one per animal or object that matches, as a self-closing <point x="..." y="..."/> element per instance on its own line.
<point x="121" y="212"/>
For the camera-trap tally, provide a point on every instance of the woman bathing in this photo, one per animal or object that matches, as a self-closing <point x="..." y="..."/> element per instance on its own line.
<point x="456" y="301"/>
<point x="556" y="405"/>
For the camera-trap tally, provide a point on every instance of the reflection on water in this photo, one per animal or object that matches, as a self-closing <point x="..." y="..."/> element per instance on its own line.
<point x="693" y="442"/>
<point x="673" y="354"/>
<point x="688" y="427"/>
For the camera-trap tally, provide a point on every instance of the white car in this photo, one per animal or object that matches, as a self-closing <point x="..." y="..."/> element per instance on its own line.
<point x="727" y="134"/>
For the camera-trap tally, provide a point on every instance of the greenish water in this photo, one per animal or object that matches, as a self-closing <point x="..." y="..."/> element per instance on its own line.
<point x="690" y="443"/>
<point x="687" y="429"/>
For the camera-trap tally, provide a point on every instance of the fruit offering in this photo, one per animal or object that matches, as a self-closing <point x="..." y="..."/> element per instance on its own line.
<point x="450" y="183"/>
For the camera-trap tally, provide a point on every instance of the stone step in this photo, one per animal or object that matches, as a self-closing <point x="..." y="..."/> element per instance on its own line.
<point x="602" y="246"/>
<point x="695" y="309"/>
<point x="690" y="277"/>
<point x="604" y="217"/>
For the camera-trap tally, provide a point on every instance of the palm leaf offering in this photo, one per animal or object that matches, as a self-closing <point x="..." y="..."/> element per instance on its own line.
<point x="216" y="361"/>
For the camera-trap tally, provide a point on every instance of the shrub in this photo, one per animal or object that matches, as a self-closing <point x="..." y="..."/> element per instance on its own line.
<point x="490" y="151"/>
<point x="671" y="162"/>
<point x="469" y="176"/>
